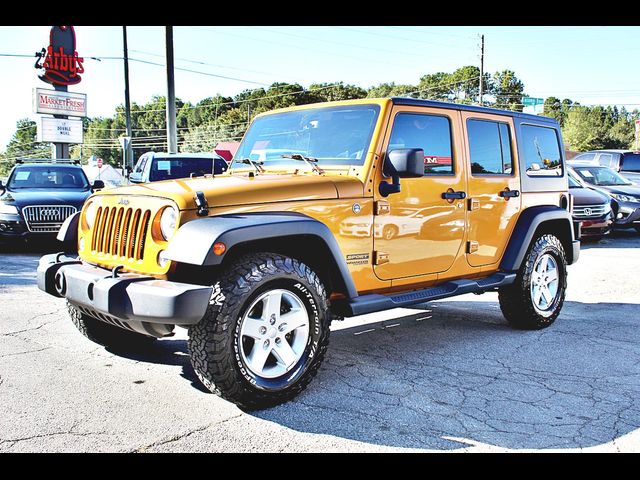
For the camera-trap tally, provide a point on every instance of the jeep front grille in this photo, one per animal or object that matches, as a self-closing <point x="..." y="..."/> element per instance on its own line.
<point x="121" y="232"/>
<point x="46" y="218"/>
<point x="590" y="211"/>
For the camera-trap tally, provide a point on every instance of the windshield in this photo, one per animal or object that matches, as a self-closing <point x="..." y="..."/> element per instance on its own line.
<point x="181" y="167"/>
<point x="333" y="135"/>
<point x="48" y="177"/>
<point x="573" y="183"/>
<point x="602" y="176"/>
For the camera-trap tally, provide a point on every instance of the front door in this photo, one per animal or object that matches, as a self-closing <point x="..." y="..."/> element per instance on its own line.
<point x="493" y="186"/>
<point x="417" y="231"/>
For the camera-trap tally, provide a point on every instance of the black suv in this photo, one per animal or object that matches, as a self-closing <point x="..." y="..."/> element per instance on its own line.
<point x="39" y="196"/>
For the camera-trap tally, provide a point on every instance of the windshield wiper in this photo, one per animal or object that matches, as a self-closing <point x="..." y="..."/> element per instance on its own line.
<point x="311" y="161"/>
<point x="254" y="163"/>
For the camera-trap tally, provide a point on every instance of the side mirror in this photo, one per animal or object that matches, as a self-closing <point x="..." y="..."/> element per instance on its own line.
<point x="97" y="185"/>
<point x="408" y="162"/>
<point x="402" y="162"/>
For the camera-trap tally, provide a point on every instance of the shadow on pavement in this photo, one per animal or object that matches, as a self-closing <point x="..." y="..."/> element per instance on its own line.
<point x="457" y="370"/>
<point x="618" y="238"/>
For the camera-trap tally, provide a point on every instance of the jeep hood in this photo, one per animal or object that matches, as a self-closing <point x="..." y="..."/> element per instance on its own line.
<point x="241" y="189"/>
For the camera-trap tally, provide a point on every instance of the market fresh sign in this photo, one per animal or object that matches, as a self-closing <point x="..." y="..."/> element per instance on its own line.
<point x="59" y="130"/>
<point x="59" y="103"/>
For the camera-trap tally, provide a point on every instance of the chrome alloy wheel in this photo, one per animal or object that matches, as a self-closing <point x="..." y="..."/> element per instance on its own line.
<point x="544" y="282"/>
<point x="274" y="333"/>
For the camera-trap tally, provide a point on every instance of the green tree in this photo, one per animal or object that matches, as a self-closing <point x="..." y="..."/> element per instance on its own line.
<point x="23" y="143"/>
<point x="435" y="86"/>
<point x="584" y="129"/>
<point x="327" y="92"/>
<point x="392" y="90"/>
<point x="508" y="90"/>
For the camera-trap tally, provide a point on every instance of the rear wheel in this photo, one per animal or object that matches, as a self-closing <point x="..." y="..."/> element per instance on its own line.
<point x="389" y="232"/>
<point x="104" y="334"/>
<point x="535" y="299"/>
<point x="265" y="332"/>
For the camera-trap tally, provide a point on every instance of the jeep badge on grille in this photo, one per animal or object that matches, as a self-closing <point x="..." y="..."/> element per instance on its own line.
<point x="123" y="201"/>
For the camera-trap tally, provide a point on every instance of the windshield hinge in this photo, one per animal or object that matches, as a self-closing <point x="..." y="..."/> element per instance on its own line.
<point x="201" y="204"/>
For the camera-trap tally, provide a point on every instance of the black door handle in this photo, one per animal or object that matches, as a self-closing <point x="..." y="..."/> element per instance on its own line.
<point x="509" y="193"/>
<point x="454" y="195"/>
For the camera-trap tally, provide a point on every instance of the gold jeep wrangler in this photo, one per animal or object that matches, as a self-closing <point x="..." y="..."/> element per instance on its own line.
<point x="328" y="210"/>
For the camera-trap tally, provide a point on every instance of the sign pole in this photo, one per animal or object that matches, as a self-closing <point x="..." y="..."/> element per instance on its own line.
<point x="61" y="150"/>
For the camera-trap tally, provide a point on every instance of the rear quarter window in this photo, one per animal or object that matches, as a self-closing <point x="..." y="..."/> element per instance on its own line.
<point x="541" y="151"/>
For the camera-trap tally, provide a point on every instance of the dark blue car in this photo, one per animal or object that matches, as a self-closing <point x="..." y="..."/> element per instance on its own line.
<point x="38" y="197"/>
<point x="155" y="166"/>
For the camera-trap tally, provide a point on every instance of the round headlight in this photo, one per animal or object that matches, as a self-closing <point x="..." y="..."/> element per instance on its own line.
<point x="90" y="214"/>
<point x="168" y="222"/>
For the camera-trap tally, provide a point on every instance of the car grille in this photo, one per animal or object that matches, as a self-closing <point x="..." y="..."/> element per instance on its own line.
<point x="121" y="232"/>
<point x="46" y="218"/>
<point x="590" y="211"/>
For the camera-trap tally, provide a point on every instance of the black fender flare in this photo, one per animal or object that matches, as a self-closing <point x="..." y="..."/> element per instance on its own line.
<point x="526" y="226"/>
<point x="193" y="242"/>
<point x="68" y="233"/>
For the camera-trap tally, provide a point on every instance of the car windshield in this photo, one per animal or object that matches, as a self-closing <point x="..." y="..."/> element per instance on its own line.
<point x="602" y="176"/>
<point x="180" y="167"/>
<point x="573" y="183"/>
<point x="332" y="135"/>
<point x="49" y="177"/>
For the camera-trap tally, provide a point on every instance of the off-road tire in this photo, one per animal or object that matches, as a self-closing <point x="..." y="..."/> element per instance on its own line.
<point x="516" y="300"/>
<point x="215" y="341"/>
<point x="104" y="334"/>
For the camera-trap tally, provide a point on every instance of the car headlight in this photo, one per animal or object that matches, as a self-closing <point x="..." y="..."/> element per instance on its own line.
<point x="168" y="222"/>
<point x="4" y="208"/>
<point x="90" y="214"/>
<point x="624" y="198"/>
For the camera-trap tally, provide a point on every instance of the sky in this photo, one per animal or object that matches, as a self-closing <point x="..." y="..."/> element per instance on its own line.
<point x="591" y="65"/>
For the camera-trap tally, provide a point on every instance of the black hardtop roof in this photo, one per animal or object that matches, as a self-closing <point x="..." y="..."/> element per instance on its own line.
<point x="470" y="108"/>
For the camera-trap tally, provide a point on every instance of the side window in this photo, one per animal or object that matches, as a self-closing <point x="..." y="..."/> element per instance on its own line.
<point x="606" y="159"/>
<point x="431" y="133"/>
<point x="541" y="151"/>
<point x="489" y="147"/>
<point x="585" y="157"/>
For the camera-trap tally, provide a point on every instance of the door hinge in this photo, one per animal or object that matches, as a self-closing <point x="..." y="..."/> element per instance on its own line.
<point x="382" y="208"/>
<point x="380" y="257"/>
<point x="472" y="246"/>
<point x="474" y="203"/>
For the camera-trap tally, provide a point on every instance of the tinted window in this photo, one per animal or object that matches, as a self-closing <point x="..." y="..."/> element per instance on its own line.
<point x="181" y="167"/>
<point x="48" y="177"/>
<point x="431" y="133"/>
<point x="585" y="157"/>
<point x="631" y="162"/>
<point x="489" y="147"/>
<point x="541" y="151"/>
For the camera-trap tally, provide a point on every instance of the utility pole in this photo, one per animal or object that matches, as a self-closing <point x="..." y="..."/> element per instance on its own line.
<point x="481" y="66"/>
<point x="172" y="134"/>
<point x="127" y="102"/>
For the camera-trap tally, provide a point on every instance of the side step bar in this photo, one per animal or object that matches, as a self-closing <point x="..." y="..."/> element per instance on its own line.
<point x="376" y="302"/>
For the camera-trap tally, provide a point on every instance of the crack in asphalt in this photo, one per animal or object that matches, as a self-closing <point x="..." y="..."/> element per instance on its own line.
<point x="180" y="436"/>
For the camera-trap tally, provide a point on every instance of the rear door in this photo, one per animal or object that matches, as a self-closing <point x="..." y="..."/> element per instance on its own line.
<point x="493" y="186"/>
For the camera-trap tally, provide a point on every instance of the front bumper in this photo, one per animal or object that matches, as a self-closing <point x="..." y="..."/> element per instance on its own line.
<point x="627" y="215"/>
<point x="125" y="297"/>
<point x="13" y="227"/>
<point x="595" y="226"/>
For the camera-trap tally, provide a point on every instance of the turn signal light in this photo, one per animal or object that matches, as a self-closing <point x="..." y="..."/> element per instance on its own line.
<point x="219" y="248"/>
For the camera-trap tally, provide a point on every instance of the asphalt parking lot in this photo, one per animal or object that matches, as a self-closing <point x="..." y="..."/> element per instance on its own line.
<point x="448" y="376"/>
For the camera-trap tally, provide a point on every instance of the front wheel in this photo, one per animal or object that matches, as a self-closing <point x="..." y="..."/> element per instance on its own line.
<point x="535" y="299"/>
<point x="265" y="332"/>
